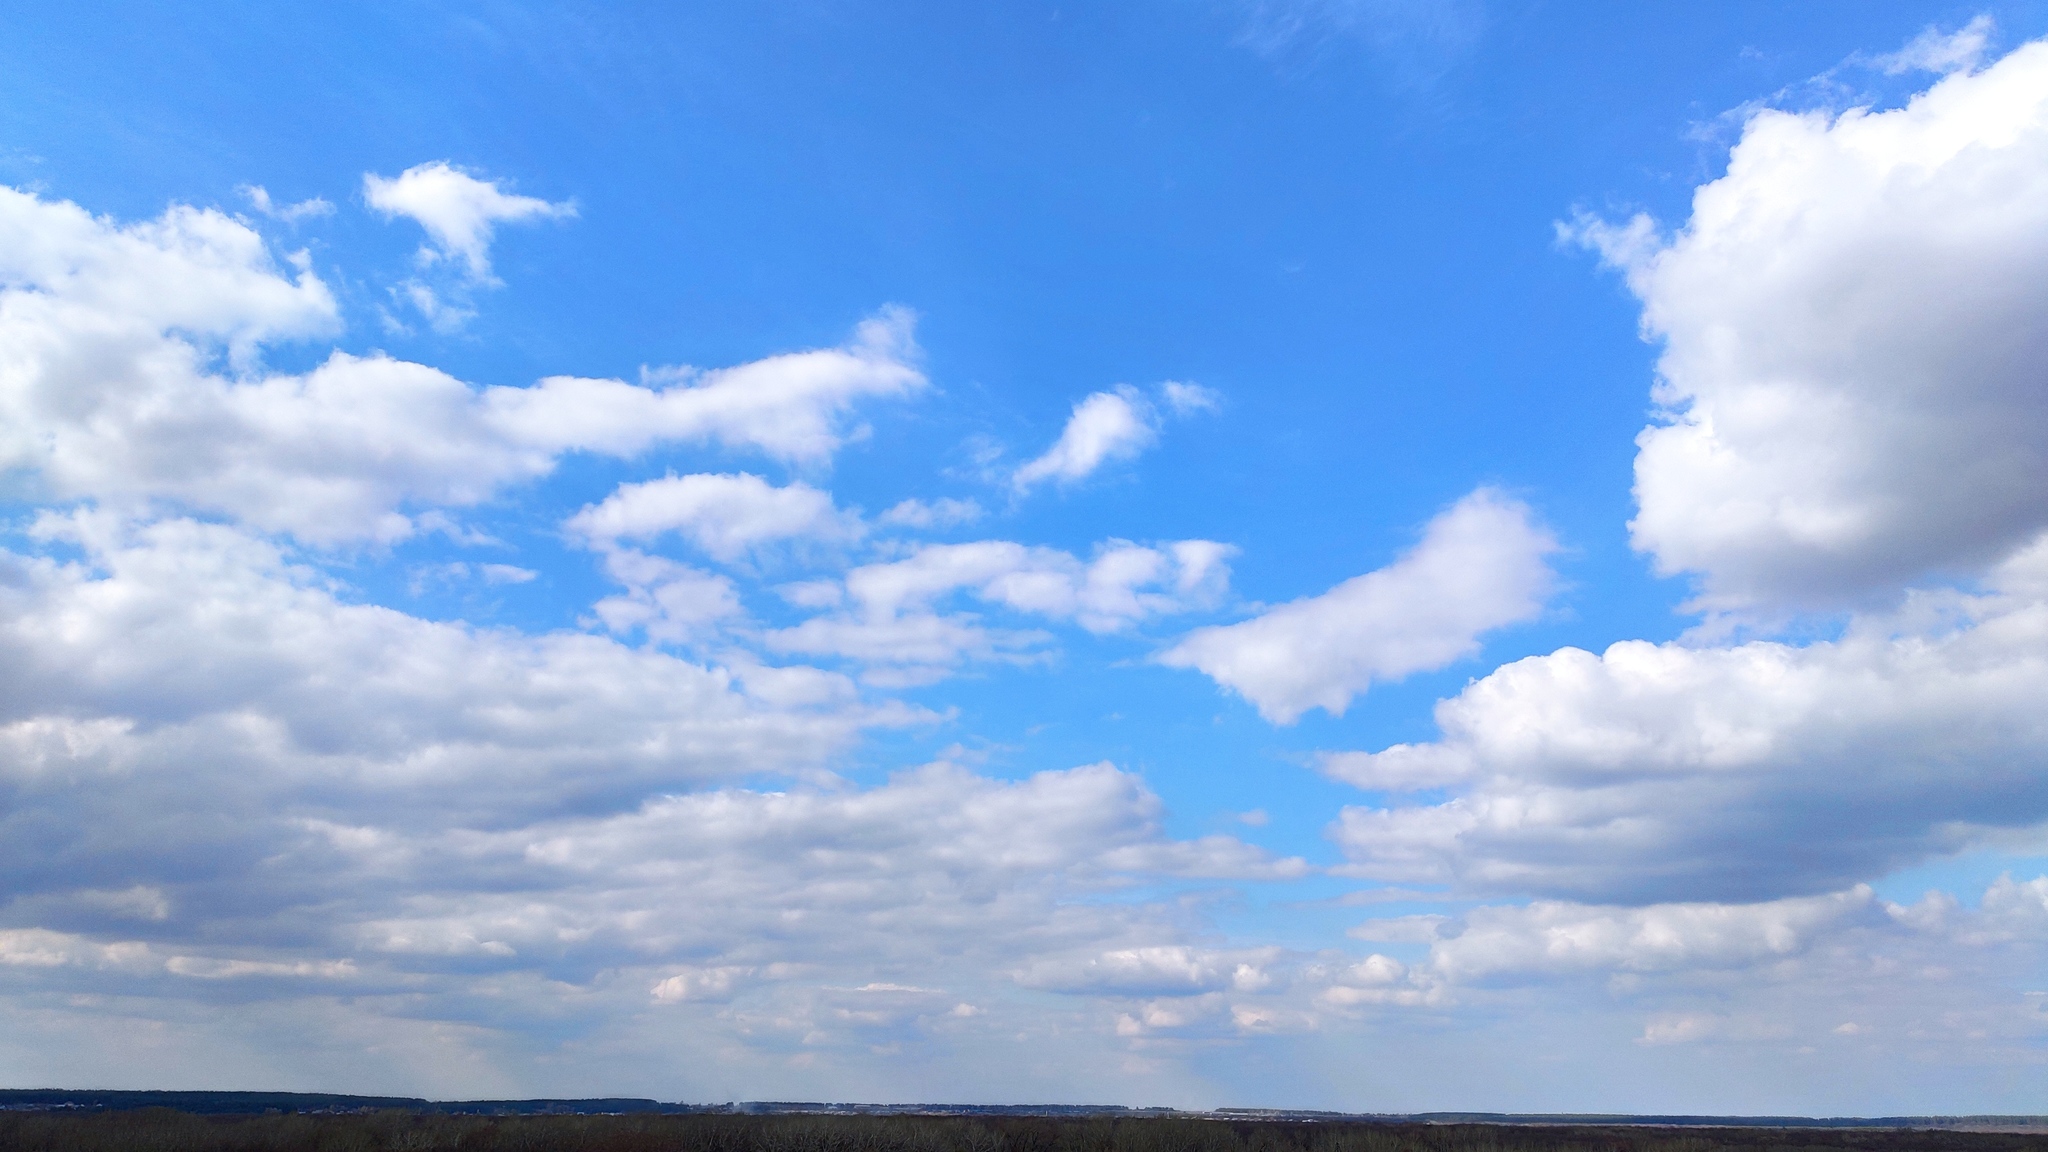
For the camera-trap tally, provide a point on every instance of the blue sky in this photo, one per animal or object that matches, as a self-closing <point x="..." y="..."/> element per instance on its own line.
<point x="1028" y="553"/>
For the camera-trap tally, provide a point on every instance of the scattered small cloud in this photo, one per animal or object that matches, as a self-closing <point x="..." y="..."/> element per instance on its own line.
<point x="724" y="515"/>
<point x="1108" y="426"/>
<point x="441" y="314"/>
<point x="1186" y="399"/>
<point x="289" y="213"/>
<point x="1105" y="426"/>
<point x="893" y="614"/>
<point x="945" y="512"/>
<point x="459" y="211"/>
<point x="1480" y="566"/>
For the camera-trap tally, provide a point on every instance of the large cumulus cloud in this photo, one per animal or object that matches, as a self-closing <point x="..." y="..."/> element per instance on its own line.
<point x="1854" y="322"/>
<point x="1653" y="772"/>
<point x="1853" y="347"/>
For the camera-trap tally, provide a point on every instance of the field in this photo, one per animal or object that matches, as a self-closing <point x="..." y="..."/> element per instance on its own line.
<point x="166" y="1130"/>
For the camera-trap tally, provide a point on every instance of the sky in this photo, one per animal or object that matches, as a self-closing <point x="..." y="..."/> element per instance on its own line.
<point x="1349" y="554"/>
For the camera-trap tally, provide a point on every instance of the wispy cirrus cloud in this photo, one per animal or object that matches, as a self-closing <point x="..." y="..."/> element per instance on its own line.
<point x="1414" y="41"/>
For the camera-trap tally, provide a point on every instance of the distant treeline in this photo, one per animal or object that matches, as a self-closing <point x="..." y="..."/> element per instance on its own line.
<point x="411" y="1130"/>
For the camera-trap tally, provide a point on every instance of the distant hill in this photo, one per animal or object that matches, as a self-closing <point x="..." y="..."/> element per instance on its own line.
<point x="258" y="1103"/>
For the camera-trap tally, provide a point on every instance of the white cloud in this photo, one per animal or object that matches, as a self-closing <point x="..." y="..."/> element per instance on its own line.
<point x="891" y="615"/>
<point x="365" y="827"/>
<point x="464" y="812"/>
<point x="818" y="918"/>
<point x="459" y="212"/>
<point x="1105" y="426"/>
<point x="1121" y="584"/>
<point x="217" y="968"/>
<point x="724" y="515"/>
<point x="1932" y="978"/>
<point x="790" y="407"/>
<point x="323" y="802"/>
<point x="1794" y="973"/>
<point x="42" y="948"/>
<point x="1480" y="566"/>
<point x="910" y="650"/>
<point x="183" y="653"/>
<point x="945" y="512"/>
<point x="73" y="283"/>
<point x="669" y="602"/>
<point x="442" y="313"/>
<point x="1553" y="937"/>
<point x="1109" y="426"/>
<point x="1706" y="1027"/>
<point x="1185" y="399"/>
<point x="1401" y="768"/>
<point x="1418" y="929"/>
<point x="1849" y="327"/>
<point x="1380" y="981"/>
<point x="2011" y="910"/>
<point x="1656" y="772"/>
<point x="1943" y="52"/>
<point x="108" y="392"/>
<point x="260" y="199"/>
<point x="1163" y="970"/>
<point x="794" y="686"/>
<point x="1851" y="321"/>
<point x="713" y="983"/>
<point x="1214" y="857"/>
<point x="938" y="878"/>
